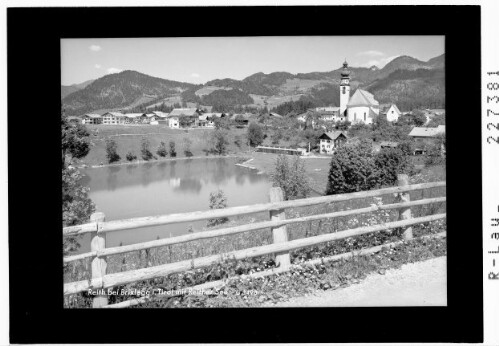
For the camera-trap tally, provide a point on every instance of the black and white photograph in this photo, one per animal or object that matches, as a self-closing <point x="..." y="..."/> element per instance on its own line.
<point x="252" y="173"/>
<point x="293" y="171"/>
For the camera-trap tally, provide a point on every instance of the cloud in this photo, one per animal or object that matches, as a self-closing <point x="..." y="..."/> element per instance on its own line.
<point x="97" y="66"/>
<point x="113" y="70"/>
<point x="381" y="62"/>
<point x="95" y="48"/>
<point x="371" y="53"/>
<point x="195" y="75"/>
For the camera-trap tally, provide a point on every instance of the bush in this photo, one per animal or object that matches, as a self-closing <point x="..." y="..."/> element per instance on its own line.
<point x="238" y="141"/>
<point x="219" y="141"/>
<point x="255" y="134"/>
<point x="218" y="200"/>
<point x="187" y="147"/>
<point x="111" y="151"/>
<point x="145" y="149"/>
<point x="356" y="168"/>
<point x="162" y="150"/>
<point x="292" y="179"/>
<point x="390" y="162"/>
<point x="173" y="151"/>
<point x="130" y="156"/>
<point x="352" y="169"/>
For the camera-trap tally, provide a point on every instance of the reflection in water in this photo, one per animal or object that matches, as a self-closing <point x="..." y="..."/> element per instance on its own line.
<point x="168" y="187"/>
<point x="112" y="177"/>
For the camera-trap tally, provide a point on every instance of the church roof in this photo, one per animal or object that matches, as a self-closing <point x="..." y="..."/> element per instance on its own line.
<point x="362" y="98"/>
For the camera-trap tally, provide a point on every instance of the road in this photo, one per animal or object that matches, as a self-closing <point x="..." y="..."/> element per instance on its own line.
<point x="416" y="284"/>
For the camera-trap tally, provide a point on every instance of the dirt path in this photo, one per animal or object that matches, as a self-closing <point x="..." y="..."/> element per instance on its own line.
<point x="415" y="284"/>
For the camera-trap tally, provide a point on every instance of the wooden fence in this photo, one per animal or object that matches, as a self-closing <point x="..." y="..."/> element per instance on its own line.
<point x="281" y="247"/>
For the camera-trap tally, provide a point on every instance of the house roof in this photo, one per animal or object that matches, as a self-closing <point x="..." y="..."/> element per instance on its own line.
<point x="332" y="135"/>
<point x="362" y="98"/>
<point x="92" y="115"/>
<point x="427" y="131"/>
<point x="160" y="114"/>
<point x="133" y="115"/>
<point x="274" y="114"/>
<point x="388" y="144"/>
<point x="150" y="115"/>
<point x="327" y="109"/>
<point x="384" y="108"/>
<point x="183" y="111"/>
<point x="115" y="114"/>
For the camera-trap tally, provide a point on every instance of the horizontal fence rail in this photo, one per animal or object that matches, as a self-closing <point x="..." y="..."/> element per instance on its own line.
<point x="244" y="228"/>
<point x="118" y="225"/>
<point x="278" y="222"/>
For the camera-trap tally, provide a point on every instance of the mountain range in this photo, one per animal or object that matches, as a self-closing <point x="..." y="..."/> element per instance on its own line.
<point x="406" y="81"/>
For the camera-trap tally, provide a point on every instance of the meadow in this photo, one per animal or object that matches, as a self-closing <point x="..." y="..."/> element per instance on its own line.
<point x="128" y="139"/>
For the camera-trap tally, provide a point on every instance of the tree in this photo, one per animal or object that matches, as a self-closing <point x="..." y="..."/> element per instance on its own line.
<point x="255" y="134"/>
<point x="219" y="141"/>
<point x="173" y="151"/>
<point x="145" y="149"/>
<point x="162" y="151"/>
<point x="390" y="162"/>
<point x="130" y="156"/>
<point x="356" y="168"/>
<point x="222" y="123"/>
<point x="352" y="169"/>
<point x="291" y="178"/>
<point x="76" y="205"/>
<point x="342" y="125"/>
<point x="111" y="151"/>
<point x="418" y="118"/>
<point x="218" y="200"/>
<point x="75" y="139"/>
<point x="187" y="146"/>
<point x="436" y="120"/>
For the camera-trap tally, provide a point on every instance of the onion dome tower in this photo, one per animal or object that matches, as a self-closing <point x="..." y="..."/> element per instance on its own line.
<point x="344" y="88"/>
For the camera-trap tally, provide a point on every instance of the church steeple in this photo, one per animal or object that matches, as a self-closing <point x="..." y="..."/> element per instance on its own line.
<point x="344" y="88"/>
<point x="345" y="74"/>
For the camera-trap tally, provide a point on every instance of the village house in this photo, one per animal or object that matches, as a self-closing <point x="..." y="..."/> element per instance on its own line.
<point x="391" y="111"/>
<point x="113" y="118"/>
<point x="74" y="120"/>
<point x="330" y="141"/>
<point x="91" y="119"/>
<point x="424" y="135"/>
<point x="207" y="120"/>
<point x="191" y="119"/>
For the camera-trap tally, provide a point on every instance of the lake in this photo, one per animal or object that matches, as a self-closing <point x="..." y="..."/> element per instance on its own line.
<point x="167" y="187"/>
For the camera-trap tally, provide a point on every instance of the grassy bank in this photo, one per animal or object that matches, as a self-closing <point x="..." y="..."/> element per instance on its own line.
<point x="128" y="139"/>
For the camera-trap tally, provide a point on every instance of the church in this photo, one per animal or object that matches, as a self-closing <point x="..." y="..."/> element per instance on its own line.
<point x="360" y="107"/>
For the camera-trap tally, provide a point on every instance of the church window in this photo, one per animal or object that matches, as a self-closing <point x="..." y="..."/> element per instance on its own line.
<point x="343" y="90"/>
<point x="365" y="116"/>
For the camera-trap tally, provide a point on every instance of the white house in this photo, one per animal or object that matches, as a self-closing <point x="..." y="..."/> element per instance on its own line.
<point x="391" y="111"/>
<point x="177" y="113"/>
<point x="91" y="119"/>
<point x="330" y="141"/>
<point x="113" y="118"/>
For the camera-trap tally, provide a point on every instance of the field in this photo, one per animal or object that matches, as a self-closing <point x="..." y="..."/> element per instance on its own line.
<point x="128" y="139"/>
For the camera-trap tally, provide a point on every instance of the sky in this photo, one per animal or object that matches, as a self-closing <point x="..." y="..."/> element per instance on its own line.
<point x="200" y="59"/>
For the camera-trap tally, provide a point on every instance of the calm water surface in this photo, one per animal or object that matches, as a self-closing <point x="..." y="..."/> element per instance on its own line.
<point x="167" y="187"/>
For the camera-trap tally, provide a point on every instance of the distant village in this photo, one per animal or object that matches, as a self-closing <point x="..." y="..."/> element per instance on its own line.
<point x="361" y="107"/>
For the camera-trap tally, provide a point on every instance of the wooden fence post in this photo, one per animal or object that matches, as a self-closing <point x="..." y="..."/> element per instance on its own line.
<point x="99" y="265"/>
<point x="405" y="213"/>
<point x="279" y="234"/>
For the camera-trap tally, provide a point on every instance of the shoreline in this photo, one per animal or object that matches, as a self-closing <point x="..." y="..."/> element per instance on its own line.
<point x="138" y="162"/>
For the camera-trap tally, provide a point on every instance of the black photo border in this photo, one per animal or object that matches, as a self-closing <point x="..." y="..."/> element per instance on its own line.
<point x="35" y="251"/>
